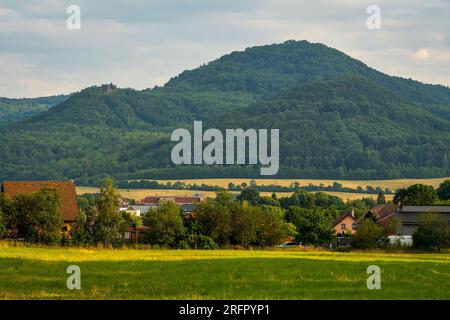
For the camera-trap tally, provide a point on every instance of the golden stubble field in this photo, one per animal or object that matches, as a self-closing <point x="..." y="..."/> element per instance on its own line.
<point x="138" y="194"/>
<point x="390" y="184"/>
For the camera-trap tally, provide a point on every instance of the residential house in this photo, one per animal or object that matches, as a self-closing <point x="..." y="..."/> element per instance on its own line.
<point x="345" y="224"/>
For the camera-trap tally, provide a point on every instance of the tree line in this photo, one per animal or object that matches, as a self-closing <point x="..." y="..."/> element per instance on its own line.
<point x="248" y="220"/>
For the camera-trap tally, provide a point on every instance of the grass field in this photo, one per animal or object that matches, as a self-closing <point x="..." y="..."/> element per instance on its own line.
<point x="138" y="194"/>
<point x="40" y="273"/>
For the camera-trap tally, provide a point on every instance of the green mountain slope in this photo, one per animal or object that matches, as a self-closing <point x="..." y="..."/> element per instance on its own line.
<point x="351" y="127"/>
<point x="18" y="109"/>
<point x="337" y="117"/>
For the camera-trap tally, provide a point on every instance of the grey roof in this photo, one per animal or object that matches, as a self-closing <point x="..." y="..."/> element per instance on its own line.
<point x="188" y="207"/>
<point x="441" y="209"/>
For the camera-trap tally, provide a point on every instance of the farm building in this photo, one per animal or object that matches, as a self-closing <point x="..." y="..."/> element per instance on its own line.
<point x="66" y="190"/>
<point x="405" y="217"/>
<point x="155" y="200"/>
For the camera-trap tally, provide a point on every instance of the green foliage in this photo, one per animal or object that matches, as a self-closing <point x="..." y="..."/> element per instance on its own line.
<point x="314" y="226"/>
<point x="360" y="206"/>
<point x="197" y="241"/>
<point x="18" y="109"/>
<point x="165" y="225"/>
<point x="3" y="228"/>
<point x="368" y="235"/>
<point x="214" y="218"/>
<point x="433" y="232"/>
<point x="250" y="194"/>
<point x="131" y="219"/>
<point x="109" y="227"/>
<point x="82" y="231"/>
<point x="309" y="200"/>
<point x="38" y="217"/>
<point x="241" y="223"/>
<point x="444" y="190"/>
<point x="381" y="199"/>
<point x="272" y="229"/>
<point x="337" y="119"/>
<point x="416" y="195"/>
<point x="87" y="201"/>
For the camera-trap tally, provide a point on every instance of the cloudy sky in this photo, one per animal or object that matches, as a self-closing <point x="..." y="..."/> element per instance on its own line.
<point x="143" y="43"/>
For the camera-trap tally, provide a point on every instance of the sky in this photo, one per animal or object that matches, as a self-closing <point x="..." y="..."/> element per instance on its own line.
<point x="143" y="43"/>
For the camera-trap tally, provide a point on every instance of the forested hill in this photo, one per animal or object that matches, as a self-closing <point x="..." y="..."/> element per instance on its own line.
<point x="18" y="109"/>
<point x="337" y="117"/>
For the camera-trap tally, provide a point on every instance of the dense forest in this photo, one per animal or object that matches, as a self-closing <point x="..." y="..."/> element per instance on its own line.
<point x="338" y="118"/>
<point x="17" y="109"/>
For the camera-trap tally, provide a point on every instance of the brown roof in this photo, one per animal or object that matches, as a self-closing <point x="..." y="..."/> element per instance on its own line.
<point x="384" y="210"/>
<point x="65" y="189"/>
<point x="178" y="200"/>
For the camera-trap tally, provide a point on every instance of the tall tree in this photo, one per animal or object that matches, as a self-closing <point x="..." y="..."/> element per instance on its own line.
<point x="250" y="194"/>
<point x="416" y="195"/>
<point x="109" y="226"/>
<point x="444" y="190"/>
<point x="381" y="199"/>
<point x="313" y="225"/>
<point x="165" y="225"/>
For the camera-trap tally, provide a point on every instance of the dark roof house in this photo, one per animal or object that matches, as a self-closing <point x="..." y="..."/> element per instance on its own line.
<point x="66" y="190"/>
<point x="407" y="216"/>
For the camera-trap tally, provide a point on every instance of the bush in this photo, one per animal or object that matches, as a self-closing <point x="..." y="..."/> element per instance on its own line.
<point x="165" y="225"/>
<point x="199" y="241"/>
<point x="313" y="225"/>
<point x="2" y="225"/>
<point x="369" y="235"/>
<point x="38" y="216"/>
<point x="432" y="233"/>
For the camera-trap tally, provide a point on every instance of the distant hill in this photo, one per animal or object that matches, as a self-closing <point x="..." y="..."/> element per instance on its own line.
<point x="338" y="119"/>
<point x="18" y="109"/>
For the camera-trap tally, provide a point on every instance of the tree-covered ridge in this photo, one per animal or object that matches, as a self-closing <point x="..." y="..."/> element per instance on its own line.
<point x="363" y="130"/>
<point x="337" y="117"/>
<point x="18" y="109"/>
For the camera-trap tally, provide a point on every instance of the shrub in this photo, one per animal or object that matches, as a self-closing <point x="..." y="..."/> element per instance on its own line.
<point x="199" y="241"/>
<point x="433" y="232"/>
<point x="165" y="225"/>
<point x="369" y="236"/>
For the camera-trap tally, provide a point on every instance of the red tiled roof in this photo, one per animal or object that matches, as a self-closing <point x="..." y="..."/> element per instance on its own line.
<point x="65" y="189"/>
<point x="384" y="210"/>
<point x="177" y="200"/>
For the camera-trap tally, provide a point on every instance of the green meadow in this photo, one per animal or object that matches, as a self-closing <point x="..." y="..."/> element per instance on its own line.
<point x="40" y="273"/>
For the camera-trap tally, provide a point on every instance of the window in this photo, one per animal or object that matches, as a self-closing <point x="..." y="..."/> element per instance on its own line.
<point x="343" y="226"/>
<point x="354" y="226"/>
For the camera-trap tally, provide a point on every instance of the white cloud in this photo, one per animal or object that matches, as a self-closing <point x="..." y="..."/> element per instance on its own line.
<point x="421" y="54"/>
<point x="144" y="43"/>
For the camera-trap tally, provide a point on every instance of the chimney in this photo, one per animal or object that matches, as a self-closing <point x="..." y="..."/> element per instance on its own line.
<point x="353" y="213"/>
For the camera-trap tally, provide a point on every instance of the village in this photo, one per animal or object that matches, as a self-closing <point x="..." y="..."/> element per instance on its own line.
<point x="303" y="219"/>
